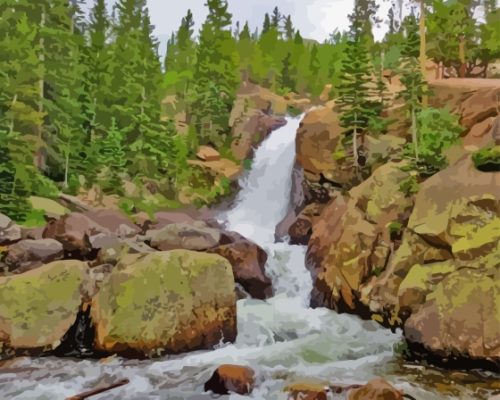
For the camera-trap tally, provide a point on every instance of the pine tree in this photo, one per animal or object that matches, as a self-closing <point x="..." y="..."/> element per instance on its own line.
<point x="111" y="159"/>
<point x="216" y="75"/>
<point x="411" y="77"/>
<point x="267" y="24"/>
<point x="314" y="68"/>
<point x="276" y="19"/>
<point x="355" y="87"/>
<point x="289" y="29"/>
<point x="286" y="78"/>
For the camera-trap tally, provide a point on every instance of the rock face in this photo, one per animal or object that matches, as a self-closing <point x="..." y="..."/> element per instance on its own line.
<point x="165" y="301"/>
<point x="38" y="307"/>
<point x="351" y="240"/>
<point x="231" y="378"/>
<point x="460" y="317"/>
<point x="9" y="231"/>
<point x="33" y="253"/>
<point x="248" y="261"/>
<point x="376" y="389"/>
<point x="196" y="236"/>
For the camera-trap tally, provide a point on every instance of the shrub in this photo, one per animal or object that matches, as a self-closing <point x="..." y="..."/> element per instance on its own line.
<point x="409" y="186"/>
<point x="487" y="159"/>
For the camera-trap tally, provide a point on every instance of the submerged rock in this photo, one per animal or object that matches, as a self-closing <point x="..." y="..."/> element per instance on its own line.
<point x="169" y="301"/>
<point x="231" y="378"/>
<point x="376" y="389"/>
<point x="38" y="307"/>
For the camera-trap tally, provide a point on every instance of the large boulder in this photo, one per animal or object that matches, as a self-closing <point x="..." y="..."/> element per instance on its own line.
<point x="9" y="231"/>
<point x="39" y="306"/>
<point x="195" y="236"/>
<point x="353" y="238"/>
<point x="231" y="379"/>
<point x="33" y="253"/>
<point x="50" y="208"/>
<point x="460" y="318"/>
<point x="114" y="221"/>
<point x="170" y="301"/>
<point x="73" y="231"/>
<point x="248" y="261"/>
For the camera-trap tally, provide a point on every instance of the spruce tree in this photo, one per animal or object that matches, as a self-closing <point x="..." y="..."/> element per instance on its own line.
<point x="289" y="29"/>
<point x="267" y="24"/>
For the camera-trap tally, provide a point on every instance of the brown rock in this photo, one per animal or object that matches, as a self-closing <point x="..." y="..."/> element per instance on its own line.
<point x="231" y="378"/>
<point x="33" y="253"/>
<point x="248" y="261"/>
<point x="307" y="391"/>
<point x="376" y="389"/>
<point x="207" y="153"/>
<point x="196" y="236"/>
<point x="114" y="222"/>
<point x="300" y="231"/>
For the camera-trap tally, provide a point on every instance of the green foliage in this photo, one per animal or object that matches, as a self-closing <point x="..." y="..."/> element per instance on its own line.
<point x="438" y="130"/>
<point x="409" y="186"/>
<point x="487" y="159"/>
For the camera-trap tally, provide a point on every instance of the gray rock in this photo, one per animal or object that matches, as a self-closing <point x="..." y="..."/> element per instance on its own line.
<point x="9" y="231"/>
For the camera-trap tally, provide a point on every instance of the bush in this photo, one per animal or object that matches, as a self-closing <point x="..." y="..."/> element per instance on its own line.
<point x="438" y="130"/>
<point x="487" y="159"/>
<point x="409" y="186"/>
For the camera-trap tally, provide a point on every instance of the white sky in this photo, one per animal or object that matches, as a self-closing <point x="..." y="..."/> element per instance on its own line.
<point x="315" y="19"/>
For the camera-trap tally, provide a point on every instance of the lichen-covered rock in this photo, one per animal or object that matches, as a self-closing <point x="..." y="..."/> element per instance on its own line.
<point x="195" y="236"/>
<point x="231" y="378"/>
<point x="169" y="301"/>
<point x="460" y="317"/>
<point x="39" y="306"/>
<point x="352" y="239"/>
<point x="33" y="253"/>
<point x="9" y="231"/>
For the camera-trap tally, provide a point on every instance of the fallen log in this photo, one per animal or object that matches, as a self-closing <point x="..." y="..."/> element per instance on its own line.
<point x="96" y="391"/>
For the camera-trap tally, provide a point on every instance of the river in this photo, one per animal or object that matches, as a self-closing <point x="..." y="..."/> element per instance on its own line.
<point x="282" y="339"/>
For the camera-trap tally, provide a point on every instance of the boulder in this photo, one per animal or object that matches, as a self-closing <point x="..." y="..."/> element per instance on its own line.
<point x="114" y="221"/>
<point x="308" y="391"/>
<point x="111" y="249"/>
<point x="163" y="218"/>
<point x="39" y="306"/>
<point x="231" y="378"/>
<point x="300" y="231"/>
<point x="376" y="389"/>
<point x="9" y="231"/>
<point x="33" y="253"/>
<point x="207" y="153"/>
<point x="248" y="261"/>
<point x="50" y="208"/>
<point x="73" y="231"/>
<point x="460" y="318"/>
<point x="196" y="236"/>
<point x="352" y="239"/>
<point x="171" y="301"/>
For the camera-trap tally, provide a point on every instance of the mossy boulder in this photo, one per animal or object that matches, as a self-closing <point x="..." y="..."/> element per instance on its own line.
<point x="170" y="301"/>
<point x="39" y="306"/>
<point x="460" y="317"/>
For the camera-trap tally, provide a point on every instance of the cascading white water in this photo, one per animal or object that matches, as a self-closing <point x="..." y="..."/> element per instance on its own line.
<point x="281" y="338"/>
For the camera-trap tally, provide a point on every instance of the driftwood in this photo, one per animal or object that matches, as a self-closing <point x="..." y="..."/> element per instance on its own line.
<point x="96" y="391"/>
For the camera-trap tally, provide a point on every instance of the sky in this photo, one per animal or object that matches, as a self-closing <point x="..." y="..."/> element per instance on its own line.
<point x="315" y="19"/>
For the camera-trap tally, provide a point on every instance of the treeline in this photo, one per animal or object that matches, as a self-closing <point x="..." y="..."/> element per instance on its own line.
<point x="80" y="99"/>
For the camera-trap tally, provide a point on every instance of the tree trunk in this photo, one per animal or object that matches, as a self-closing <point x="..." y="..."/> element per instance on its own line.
<point x="423" y="56"/>
<point x="414" y="131"/>
<point x="355" y="142"/>
<point x="461" y="54"/>
<point x="66" y="168"/>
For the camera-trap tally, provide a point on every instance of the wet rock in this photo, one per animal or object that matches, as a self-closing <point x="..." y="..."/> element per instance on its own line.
<point x="307" y="391"/>
<point x="231" y="378"/>
<point x="9" y="231"/>
<point x="196" y="236"/>
<point x="33" y="253"/>
<point x="300" y="231"/>
<point x="460" y="318"/>
<point x="170" y="301"/>
<point x="39" y="306"/>
<point x="376" y="389"/>
<point x="248" y="261"/>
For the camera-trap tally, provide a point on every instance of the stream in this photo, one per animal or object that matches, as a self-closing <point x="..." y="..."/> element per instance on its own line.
<point x="282" y="339"/>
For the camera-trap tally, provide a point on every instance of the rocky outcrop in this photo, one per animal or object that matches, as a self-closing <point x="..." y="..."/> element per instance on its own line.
<point x="207" y="153"/>
<point x="29" y="254"/>
<point x="231" y="379"/>
<point x="38" y="307"/>
<point x="9" y="231"/>
<point x="170" y="301"/>
<point x="353" y="238"/>
<point x="248" y="261"/>
<point x="196" y="236"/>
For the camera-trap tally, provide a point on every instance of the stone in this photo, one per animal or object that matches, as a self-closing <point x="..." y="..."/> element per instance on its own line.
<point x="231" y="379"/>
<point x="114" y="221"/>
<point x="9" y="231"/>
<point x="194" y="236"/>
<point x="207" y="153"/>
<point x="33" y="253"/>
<point x="172" y="301"/>
<point x="376" y="389"/>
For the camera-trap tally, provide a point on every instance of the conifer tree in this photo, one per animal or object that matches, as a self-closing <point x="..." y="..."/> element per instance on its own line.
<point x="289" y="29"/>
<point x="267" y="24"/>
<point x="111" y="159"/>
